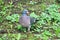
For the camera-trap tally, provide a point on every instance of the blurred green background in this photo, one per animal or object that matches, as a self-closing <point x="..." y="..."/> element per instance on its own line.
<point x="47" y="11"/>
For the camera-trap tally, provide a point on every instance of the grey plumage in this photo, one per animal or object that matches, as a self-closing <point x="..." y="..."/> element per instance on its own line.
<point x="26" y="20"/>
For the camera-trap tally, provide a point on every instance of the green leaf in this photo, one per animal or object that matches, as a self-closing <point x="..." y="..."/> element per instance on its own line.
<point x="1" y="39"/>
<point x="18" y="36"/>
<point x="18" y="27"/>
<point x="34" y="15"/>
<point x="13" y="18"/>
<point x="8" y="17"/>
<point x="47" y="33"/>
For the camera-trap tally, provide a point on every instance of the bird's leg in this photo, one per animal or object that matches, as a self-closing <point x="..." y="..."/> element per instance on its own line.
<point x="29" y="28"/>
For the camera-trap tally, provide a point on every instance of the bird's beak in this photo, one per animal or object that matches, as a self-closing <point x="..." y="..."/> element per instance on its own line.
<point x="27" y="13"/>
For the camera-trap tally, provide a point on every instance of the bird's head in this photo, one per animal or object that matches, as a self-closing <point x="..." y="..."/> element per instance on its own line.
<point x="25" y="12"/>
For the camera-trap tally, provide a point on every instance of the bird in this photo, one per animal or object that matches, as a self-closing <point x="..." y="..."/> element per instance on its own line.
<point x="25" y="20"/>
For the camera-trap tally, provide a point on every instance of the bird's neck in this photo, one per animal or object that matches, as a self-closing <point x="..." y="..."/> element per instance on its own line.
<point x="24" y="14"/>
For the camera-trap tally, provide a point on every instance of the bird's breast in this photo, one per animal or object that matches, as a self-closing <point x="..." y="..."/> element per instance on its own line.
<point x="25" y="21"/>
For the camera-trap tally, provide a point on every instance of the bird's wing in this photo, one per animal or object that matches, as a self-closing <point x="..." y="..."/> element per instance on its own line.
<point x="32" y="20"/>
